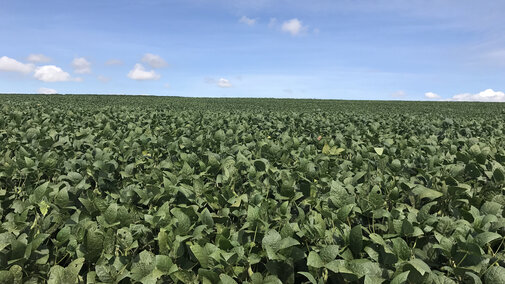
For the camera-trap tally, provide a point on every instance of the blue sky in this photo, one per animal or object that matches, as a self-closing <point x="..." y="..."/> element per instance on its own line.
<point x="387" y="50"/>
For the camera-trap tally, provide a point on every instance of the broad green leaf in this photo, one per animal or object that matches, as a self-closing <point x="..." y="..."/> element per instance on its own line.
<point x="6" y="277"/>
<point x="201" y="255"/>
<point x="424" y="192"/>
<point x="329" y="253"/>
<point x="401" y="249"/>
<point x="495" y="275"/>
<point x="401" y="278"/>
<point x="271" y="243"/>
<point x="313" y="260"/>
<point x="419" y="265"/>
<point x="486" y="237"/>
<point x="225" y="279"/>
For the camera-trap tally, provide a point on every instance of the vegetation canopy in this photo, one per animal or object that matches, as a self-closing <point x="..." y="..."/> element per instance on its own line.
<point x="124" y="189"/>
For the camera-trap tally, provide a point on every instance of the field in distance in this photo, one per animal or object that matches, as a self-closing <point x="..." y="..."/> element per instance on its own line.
<point x="131" y="189"/>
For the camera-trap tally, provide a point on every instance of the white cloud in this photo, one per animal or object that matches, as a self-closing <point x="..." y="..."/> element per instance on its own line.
<point x="294" y="27"/>
<point x="224" y="83"/>
<point x="488" y="95"/>
<point x="153" y="60"/>
<point x="431" y="95"/>
<point x="247" y="21"/>
<point x="81" y="65"/>
<point x="46" y="91"/>
<point x="38" y="58"/>
<point x="114" y="62"/>
<point x="12" y="65"/>
<point x="139" y="73"/>
<point x="51" y="73"/>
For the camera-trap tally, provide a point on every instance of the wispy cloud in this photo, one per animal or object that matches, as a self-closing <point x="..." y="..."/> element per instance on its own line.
<point x="103" y="79"/>
<point x="247" y="21"/>
<point x="154" y="60"/>
<point x="81" y="65"/>
<point x="399" y="94"/>
<point x="38" y="58"/>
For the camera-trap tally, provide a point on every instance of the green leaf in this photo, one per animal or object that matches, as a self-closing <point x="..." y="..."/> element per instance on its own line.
<point x="471" y="278"/>
<point x="486" y="237"/>
<point x="495" y="275"/>
<point x="17" y="272"/>
<point x="93" y="244"/>
<point x="56" y="275"/>
<point x="313" y="260"/>
<point x="401" y="249"/>
<point x="62" y="199"/>
<point x="225" y="279"/>
<point x="164" y="264"/>
<point x="420" y="266"/>
<point x="401" y="278"/>
<point x="424" y="192"/>
<point x="206" y="218"/>
<point x="362" y="267"/>
<point x="308" y="276"/>
<point x="379" y="151"/>
<point x="356" y="240"/>
<point x="326" y="149"/>
<point x="288" y="242"/>
<point x="498" y="175"/>
<point x="201" y="255"/>
<point x="6" y="277"/>
<point x="43" y="207"/>
<point x="329" y="253"/>
<point x="110" y="214"/>
<point x="68" y="275"/>
<point x="271" y="243"/>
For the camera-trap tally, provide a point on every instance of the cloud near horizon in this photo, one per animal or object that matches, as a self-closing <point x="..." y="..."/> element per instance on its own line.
<point x="46" y="91"/>
<point x="488" y="95"/>
<point x="431" y="95"/>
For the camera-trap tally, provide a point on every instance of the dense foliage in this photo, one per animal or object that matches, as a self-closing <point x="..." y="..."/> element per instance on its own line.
<point x="118" y="189"/>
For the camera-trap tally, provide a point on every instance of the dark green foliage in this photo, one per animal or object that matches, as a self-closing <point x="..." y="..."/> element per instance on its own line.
<point x="119" y="189"/>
